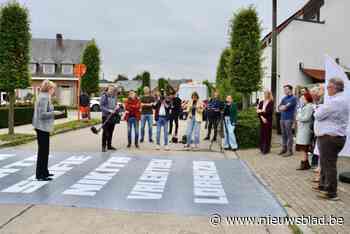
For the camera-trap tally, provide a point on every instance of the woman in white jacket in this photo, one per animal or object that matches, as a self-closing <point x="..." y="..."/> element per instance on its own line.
<point x="304" y="131"/>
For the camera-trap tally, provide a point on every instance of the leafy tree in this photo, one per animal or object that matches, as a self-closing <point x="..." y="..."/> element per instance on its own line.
<point x="244" y="65"/>
<point x="14" y="53"/>
<point x="146" y="79"/>
<point x="91" y="58"/>
<point x="209" y="86"/>
<point x="121" y="78"/>
<point x="137" y="77"/>
<point x="162" y="83"/>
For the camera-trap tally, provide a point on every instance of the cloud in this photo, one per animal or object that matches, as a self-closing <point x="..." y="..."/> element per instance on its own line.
<point x="178" y="39"/>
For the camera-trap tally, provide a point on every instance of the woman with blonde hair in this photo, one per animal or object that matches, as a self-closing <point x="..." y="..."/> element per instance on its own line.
<point x="43" y="120"/>
<point x="195" y="110"/>
<point x="265" y="114"/>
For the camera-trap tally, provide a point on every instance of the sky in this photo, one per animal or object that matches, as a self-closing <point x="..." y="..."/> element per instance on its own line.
<point x="169" y="38"/>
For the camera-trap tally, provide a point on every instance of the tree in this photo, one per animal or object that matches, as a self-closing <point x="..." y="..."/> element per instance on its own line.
<point x="244" y="68"/>
<point x="121" y="78"/>
<point x="91" y="58"/>
<point x="223" y="83"/>
<point x="137" y="77"/>
<point x="209" y="86"/>
<point x="146" y="79"/>
<point x="14" y="53"/>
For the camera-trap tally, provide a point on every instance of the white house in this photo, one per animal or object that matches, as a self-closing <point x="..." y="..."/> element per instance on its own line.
<point x="319" y="28"/>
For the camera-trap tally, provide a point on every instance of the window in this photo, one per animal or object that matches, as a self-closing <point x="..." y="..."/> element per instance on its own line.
<point x="67" y="69"/>
<point x="33" y="68"/>
<point x="49" y="69"/>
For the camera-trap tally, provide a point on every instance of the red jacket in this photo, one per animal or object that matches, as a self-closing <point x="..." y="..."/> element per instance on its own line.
<point x="133" y="108"/>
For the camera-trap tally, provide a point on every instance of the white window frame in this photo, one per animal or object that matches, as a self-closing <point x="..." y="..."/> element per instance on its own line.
<point x="52" y="70"/>
<point x="65" y="72"/>
<point x="33" y="68"/>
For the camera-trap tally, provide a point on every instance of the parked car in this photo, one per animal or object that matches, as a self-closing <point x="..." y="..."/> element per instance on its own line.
<point x="95" y="104"/>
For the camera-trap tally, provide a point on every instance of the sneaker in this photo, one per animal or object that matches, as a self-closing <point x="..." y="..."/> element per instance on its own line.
<point x="206" y="139"/>
<point x="141" y="141"/>
<point x="167" y="148"/>
<point x="158" y="147"/>
<point x="151" y="141"/>
<point x="104" y="149"/>
<point x="328" y="196"/>
<point x="137" y="146"/>
<point x="128" y="146"/>
<point x="318" y="189"/>
<point x="287" y="155"/>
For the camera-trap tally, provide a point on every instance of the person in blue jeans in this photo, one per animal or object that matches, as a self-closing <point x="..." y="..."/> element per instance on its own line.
<point x="230" y="118"/>
<point x="287" y="108"/>
<point x="195" y="110"/>
<point x="132" y="117"/>
<point x="147" y="102"/>
<point x="162" y="115"/>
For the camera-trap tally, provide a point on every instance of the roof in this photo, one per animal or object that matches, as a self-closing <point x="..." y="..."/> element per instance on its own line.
<point x="284" y="24"/>
<point x="318" y="75"/>
<point x="315" y="74"/>
<point x="47" y="51"/>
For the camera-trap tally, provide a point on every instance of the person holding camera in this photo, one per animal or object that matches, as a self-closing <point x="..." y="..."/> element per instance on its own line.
<point x="162" y="115"/>
<point x="195" y="110"/>
<point x="132" y="117"/>
<point x="109" y="107"/>
<point x="43" y="120"/>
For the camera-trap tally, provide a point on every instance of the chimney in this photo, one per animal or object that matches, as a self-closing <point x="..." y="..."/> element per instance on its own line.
<point x="59" y="40"/>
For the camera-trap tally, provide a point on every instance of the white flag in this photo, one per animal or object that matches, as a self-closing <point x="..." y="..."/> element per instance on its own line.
<point x="334" y="70"/>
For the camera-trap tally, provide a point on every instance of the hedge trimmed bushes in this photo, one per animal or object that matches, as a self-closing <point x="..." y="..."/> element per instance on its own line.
<point x="248" y="129"/>
<point x="24" y="115"/>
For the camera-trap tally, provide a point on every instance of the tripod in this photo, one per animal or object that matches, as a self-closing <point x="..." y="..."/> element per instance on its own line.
<point x="221" y="127"/>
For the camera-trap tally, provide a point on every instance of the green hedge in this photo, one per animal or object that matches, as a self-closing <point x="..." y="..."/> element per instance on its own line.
<point x="247" y="129"/>
<point x="24" y="115"/>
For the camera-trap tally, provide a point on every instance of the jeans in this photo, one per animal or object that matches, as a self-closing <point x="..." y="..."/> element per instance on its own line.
<point x="229" y="133"/>
<point x="193" y="126"/>
<point x="133" y="123"/>
<point x="43" y="153"/>
<point x="162" y="122"/>
<point x="146" y="118"/>
<point x="287" y="135"/>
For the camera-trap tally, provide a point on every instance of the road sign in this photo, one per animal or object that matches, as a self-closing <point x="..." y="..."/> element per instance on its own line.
<point x="79" y="70"/>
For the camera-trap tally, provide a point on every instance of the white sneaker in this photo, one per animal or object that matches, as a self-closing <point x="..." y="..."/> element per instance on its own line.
<point x="167" y="148"/>
<point x="158" y="147"/>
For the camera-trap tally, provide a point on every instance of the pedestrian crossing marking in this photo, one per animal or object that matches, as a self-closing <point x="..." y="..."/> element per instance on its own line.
<point x="170" y="184"/>
<point x="97" y="179"/>
<point x="207" y="184"/>
<point x="16" y="166"/>
<point x="152" y="182"/>
<point x="31" y="185"/>
<point x="6" y="156"/>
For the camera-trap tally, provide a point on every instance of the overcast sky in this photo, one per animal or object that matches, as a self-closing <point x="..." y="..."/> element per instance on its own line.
<point x="169" y="38"/>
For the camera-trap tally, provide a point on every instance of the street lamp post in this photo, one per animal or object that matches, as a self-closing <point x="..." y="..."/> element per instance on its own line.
<point x="274" y="51"/>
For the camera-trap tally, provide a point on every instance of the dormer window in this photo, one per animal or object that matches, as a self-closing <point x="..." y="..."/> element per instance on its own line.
<point x="33" y="68"/>
<point x="49" y="69"/>
<point x="67" y="69"/>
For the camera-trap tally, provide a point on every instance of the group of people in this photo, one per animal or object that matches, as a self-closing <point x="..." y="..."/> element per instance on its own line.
<point x="320" y="123"/>
<point x="166" y="110"/>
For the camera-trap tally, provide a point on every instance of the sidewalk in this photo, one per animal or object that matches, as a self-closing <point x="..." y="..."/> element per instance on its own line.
<point x="28" y="128"/>
<point x="294" y="187"/>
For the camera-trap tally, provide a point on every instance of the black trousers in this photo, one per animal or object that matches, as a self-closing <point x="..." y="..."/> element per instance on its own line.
<point x="213" y="123"/>
<point x="107" y="133"/>
<point x="174" y="119"/>
<point x="329" y="148"/>
<point x="43" y="153"/>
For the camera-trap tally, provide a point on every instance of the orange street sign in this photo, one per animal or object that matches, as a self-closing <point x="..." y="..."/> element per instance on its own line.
<point x="79" y="70"/>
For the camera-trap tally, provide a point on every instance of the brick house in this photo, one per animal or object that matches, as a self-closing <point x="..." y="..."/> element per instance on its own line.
<point x="54" y="59"/>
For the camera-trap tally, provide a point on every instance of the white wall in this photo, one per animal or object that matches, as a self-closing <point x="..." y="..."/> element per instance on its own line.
<point x="308" y="43"/>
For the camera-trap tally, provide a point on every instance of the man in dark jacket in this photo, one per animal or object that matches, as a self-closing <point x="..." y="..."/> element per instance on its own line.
<point x="109" y="106"/>
<point x="214" y="112"/>
<point x="175" y="111"/>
